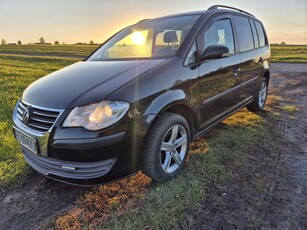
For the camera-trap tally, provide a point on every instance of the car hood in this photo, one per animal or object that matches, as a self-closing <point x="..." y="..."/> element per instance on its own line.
<point x="84" y="83"/>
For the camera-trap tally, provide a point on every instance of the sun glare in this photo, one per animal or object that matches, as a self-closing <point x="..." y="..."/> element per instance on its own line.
<point x="138" y="38"/>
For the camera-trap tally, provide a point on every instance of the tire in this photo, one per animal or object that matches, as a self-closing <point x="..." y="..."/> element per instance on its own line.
<point x="259" y="101"/>
<point x="166" y="148"/>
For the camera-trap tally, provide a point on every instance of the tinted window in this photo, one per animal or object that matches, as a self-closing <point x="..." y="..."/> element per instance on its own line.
<point x="260" y="34"/>
<point x="220" y="33"/>
<point x="256" y="41"/>
<point x="244" y="33"/>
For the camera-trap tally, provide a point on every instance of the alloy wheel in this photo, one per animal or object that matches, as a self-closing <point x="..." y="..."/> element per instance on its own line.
<point x="173" y="148"/>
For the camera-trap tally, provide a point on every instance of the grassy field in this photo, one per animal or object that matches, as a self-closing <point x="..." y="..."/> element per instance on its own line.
<point x="16" y="73"/>
<point x="79" y="50"/>
<point x="280" y="53"/>
<point x="138" y="203"/>
<point x="289" y="53"/>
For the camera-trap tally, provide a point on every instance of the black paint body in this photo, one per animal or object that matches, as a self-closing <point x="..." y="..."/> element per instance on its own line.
<point x="204" y="93"/>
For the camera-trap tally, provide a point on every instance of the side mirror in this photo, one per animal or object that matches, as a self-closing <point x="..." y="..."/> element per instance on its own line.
<point x="215" y="51"/>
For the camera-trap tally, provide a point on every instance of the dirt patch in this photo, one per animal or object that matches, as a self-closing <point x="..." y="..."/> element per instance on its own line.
<point x="37" y="200"/>
<point x="270" y="190"/>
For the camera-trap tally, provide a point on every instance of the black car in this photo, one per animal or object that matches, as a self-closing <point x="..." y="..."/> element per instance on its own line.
<point x="138" y="101"/>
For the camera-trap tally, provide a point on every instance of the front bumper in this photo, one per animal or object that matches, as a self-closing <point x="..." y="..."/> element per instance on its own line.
<point x="78" y="156"/>
<point x="68" y="169"/>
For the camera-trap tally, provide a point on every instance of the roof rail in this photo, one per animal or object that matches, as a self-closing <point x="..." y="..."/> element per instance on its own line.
<point x="143" y="20"/>
<point x="215" y="7"/>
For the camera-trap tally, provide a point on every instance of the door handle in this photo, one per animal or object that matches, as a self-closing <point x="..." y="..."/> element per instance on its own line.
<point x="236" y="71"/>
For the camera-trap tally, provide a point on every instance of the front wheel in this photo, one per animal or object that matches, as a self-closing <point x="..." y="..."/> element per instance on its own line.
<point x="166" y="148"/>
<point x="259" y="101"/>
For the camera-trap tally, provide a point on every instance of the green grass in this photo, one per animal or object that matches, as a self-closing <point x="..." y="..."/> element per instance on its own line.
<point x="289" y="53"/>
<point x="16" y="73"/>
<point x="79" y="50"/>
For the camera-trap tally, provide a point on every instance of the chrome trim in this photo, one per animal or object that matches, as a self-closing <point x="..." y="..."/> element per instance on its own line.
<point x="41" y="114"/>
<point x="41" y="137"/>
<point x="59" y="111"/>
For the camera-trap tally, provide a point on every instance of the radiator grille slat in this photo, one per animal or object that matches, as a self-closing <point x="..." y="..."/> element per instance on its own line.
<point x="41" y="120"/>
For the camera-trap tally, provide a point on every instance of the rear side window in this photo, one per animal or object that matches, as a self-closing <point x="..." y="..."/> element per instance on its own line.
<point x="244" y="33"/>
<point x="220" y="33"/>
<point x="260" y="33"/>
<point x="256" y="41"/>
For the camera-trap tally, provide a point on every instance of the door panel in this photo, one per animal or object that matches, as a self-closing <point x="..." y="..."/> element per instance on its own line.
<point x="250" y="70"/>
<point x="219" y="89"/>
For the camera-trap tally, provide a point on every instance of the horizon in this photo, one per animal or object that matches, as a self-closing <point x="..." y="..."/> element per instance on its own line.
<point x="76" y="21"/>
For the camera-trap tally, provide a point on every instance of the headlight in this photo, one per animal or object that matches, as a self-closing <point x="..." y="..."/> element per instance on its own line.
<point x="97" y="116"/>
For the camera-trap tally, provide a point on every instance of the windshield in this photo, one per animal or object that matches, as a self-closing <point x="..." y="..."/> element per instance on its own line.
<point x="159" y="38"/>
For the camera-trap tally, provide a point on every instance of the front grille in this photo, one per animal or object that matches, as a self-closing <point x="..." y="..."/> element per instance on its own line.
<point x="40" y="119"/>
<point x="68" y="169"/>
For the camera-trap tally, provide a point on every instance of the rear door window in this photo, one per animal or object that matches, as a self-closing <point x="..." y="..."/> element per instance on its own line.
<point x="260" y="34"/>
<point x="255" y="35"/>
<point x="244" y="33"/>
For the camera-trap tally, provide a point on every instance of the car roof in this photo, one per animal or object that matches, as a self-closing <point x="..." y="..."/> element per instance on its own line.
<point x="211" y="10"/>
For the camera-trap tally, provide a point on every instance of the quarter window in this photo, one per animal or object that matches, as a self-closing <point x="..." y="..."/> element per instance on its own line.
<point x="220" y="33"/>
<point x="244" y="33"/>
<point x="191" y="58"/>
<point x="260" y="34"/>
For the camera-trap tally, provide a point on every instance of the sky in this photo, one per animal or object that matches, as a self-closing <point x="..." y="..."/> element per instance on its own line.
<point x="72" y="21"/>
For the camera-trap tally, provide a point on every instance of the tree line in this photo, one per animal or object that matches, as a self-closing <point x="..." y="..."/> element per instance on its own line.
<point x="42" y="41"/>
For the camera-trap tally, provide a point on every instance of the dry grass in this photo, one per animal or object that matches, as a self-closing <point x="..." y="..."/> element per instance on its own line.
<point x="98" y="205"/>
<point x="290" y="108"/>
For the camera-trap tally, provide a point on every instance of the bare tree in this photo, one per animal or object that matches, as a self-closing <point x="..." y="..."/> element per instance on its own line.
<point x="91" y="42"/>
<point x="56" y="43"/>
<point x="42" y="40"/>
<point x="3" y="42"/>
<point x="19" y="42"/>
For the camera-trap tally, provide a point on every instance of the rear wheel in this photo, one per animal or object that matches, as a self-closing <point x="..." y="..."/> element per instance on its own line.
<point x="259" y="101"/>
<point x="166" y="148"/>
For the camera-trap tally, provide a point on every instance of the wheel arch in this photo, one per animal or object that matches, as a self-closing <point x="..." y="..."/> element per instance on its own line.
<point x="174" y="101"/>
<point x="186" y="112"/>
<point x="266" y="75"/>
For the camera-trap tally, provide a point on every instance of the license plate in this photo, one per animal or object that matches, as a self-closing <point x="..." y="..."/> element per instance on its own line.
<point x="26" y="141"/>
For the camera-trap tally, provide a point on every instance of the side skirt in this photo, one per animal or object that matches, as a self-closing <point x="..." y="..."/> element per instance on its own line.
<point x="216" y="120"/>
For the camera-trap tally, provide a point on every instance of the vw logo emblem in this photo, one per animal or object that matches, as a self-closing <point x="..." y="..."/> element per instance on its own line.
<point x="26" y="115"/>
